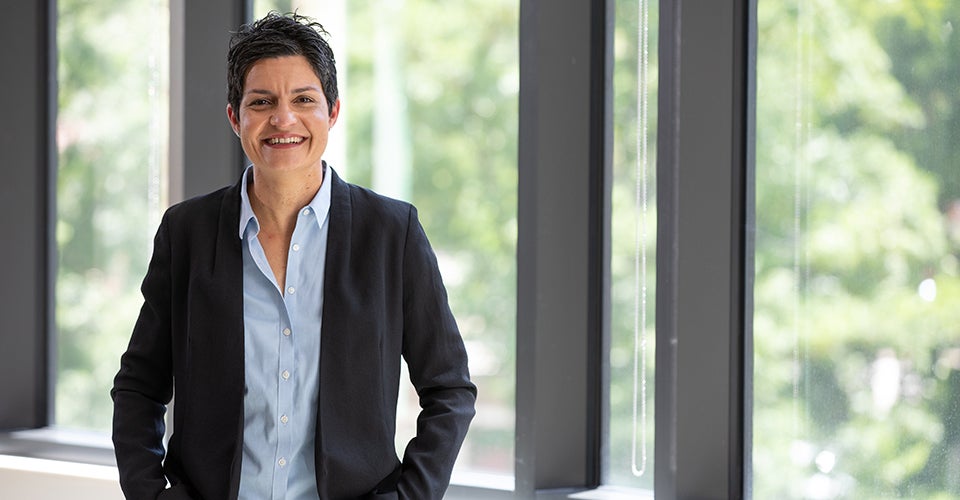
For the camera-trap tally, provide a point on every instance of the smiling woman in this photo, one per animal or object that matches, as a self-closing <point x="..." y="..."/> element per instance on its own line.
<point x="429" y="115"/>
<point x="233" y="326"/>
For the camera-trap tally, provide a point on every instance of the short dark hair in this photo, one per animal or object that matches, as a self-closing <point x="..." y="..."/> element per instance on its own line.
<point x="278" y="35"/>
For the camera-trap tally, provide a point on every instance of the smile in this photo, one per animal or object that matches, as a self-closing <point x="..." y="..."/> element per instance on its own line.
<point x="285" y="140"/>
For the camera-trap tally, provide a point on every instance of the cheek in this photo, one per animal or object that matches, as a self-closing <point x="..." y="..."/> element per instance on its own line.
<point x="322" y="125"/>
<point x="321" y="118"/>
<point x="247" y="125"/>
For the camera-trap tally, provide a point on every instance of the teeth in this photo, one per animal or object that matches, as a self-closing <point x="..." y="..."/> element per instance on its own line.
<point x="285" y="140"/>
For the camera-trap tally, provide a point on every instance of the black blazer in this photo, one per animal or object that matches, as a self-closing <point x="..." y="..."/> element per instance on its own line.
<point x="383" y="298"/>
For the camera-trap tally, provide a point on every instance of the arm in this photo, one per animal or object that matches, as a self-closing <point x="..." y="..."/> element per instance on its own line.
<point x="143" y="386"/>
<point x="437" y="360"/>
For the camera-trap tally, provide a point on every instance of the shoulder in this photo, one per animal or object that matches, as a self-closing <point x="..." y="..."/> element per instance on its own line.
<point x="202" y="211"/>
<point x="199" y="204"/>
<point x="367" y="204"/>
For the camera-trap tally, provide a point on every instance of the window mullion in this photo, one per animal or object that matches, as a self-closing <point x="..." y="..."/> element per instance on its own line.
<point x="26" y="202"/>
<point x="703" y="248"/>
<point x="562" y="243"/>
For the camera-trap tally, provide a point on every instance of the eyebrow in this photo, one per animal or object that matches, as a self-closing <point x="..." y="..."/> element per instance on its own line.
<point x="310" y="88"/>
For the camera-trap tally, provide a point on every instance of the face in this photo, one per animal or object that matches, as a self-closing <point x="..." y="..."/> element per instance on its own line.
<point x="284" y="119"/>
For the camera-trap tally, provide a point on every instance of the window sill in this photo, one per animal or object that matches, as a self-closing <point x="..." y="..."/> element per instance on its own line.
<point x="51" y="443"/>
<point x="52" y="463"/>
<point x="78" y="464"/>
<point x="613" y="493"/>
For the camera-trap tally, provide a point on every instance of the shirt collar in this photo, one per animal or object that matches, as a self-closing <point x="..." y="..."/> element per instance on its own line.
<point x="319" y="206"/>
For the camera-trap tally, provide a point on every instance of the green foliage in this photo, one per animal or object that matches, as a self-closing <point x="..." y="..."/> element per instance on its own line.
<point x="461" y="109"/>
<point x="109" y="136"/>
<point x="855" y="373"/>
<point x="858" y="139"/>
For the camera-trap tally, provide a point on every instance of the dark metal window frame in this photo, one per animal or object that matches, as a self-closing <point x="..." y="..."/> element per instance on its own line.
<point x="27" y="31"/>
<point x="704" y="242"/>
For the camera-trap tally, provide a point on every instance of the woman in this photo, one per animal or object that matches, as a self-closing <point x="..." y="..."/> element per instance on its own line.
<point x="277" y="311"/>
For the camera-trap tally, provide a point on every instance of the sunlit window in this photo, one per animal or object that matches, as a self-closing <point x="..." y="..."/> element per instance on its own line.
<point x="429" y="115"/>
<point x="857" y="329"/>
<point x="111" y="170"/>
<point x="633" y="242"/>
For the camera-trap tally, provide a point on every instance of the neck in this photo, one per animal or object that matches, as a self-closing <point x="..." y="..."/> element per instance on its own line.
<point x="276" y="198"/>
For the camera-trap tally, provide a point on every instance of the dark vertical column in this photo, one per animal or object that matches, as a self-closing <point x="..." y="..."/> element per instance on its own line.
<point x="27" y="156"/>
<point x="204" y="153"/>
<point x="563" y="242"/>
<point x="703" y="254"/>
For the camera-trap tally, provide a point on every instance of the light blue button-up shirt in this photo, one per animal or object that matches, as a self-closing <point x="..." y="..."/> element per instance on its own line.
<point x="282" y="354"/>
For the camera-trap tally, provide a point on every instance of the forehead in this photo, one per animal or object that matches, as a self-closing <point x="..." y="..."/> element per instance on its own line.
<point x="284" y="72"/>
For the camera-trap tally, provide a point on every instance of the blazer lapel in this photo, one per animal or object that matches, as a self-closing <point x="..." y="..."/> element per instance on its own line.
<point x="333" y="344"/>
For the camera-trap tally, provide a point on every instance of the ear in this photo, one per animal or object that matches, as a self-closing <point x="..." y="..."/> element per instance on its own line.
<point x="334" y="112"/>
<point x="234" y="120"/>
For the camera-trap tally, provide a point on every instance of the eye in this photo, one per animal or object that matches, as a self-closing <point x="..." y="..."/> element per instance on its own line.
<point x="305" y="99"/>
<point x="258" y="102"/>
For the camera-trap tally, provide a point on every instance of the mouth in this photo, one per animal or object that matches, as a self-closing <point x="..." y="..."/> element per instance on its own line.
<point x="273" y="141"/>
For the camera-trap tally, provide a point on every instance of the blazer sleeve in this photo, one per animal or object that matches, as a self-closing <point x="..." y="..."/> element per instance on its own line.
<point x="143" y="386"/>
<point x="437" y="360"/>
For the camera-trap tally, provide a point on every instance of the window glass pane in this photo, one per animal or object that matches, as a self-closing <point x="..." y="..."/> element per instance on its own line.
<point x="633" y="246"/>
<point x="112" y="143"/>
<point x="856" y="324"/>
<point x="429" y="114"/>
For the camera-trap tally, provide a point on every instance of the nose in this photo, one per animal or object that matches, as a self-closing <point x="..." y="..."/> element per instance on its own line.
<point x="283" y="116"/>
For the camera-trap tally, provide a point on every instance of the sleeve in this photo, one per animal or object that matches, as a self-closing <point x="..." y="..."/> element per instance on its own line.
<point x="144" y="384"/>
<point x="437" y="360"/>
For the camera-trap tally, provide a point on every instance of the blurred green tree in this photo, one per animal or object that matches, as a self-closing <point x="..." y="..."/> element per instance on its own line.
<point x="461" y="109"/>
<point x="856" y="277"/>
<point x="110" y="140"/>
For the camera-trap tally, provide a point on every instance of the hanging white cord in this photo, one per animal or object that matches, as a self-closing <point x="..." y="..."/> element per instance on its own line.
<point x="639" y="466"/>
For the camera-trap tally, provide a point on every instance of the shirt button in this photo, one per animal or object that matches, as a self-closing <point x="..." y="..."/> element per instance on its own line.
<point x="306" y="211"/>
<point x="282" y="462"/>
<point x="296" y="248"/>
<point x="291" y="290"/>
<point x="286" y="332"/>
<point x="284" y="419"/>
<point x="285" y="375"/>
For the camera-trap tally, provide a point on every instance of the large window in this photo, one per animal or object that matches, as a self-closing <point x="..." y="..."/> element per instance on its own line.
<point x="857" y="367"/>
<point x="111" y="140"/>
<point x="792" y="273"/>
